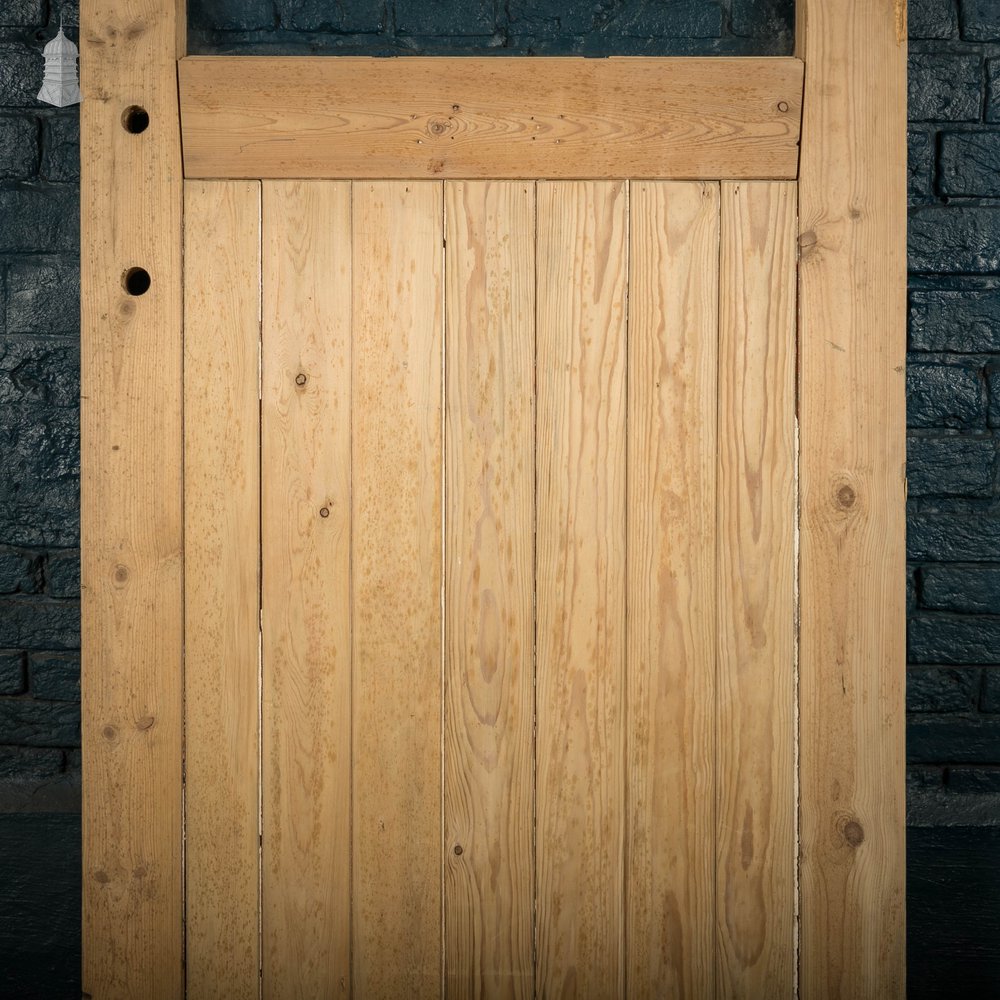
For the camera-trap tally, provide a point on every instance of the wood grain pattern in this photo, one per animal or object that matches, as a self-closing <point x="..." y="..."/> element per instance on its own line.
<point x="582" y="256"/>
<point x="131" y="504"/>
<point x="306" y="552"/>
<point x="852" y="341"/>
<point x="221" y="587"/>
<point x="250" y="116"/>
<point x="672" y="409"/>
<point x="397" y="555"/>
<point x="489" y="590"/>
<point x="756" y="632"/>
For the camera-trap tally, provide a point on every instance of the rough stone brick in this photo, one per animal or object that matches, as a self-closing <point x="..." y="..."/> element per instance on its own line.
<point x="18" y="147"/>
<point x="30" y="623"/>
<point x="962" y="739"/>
<point x="944" y="396"/>
<point x="919" y="162"/>
<point x="22" y="13"/>
<point x="61" y="147"/>
<point x="762" y="18"/>
<point x="445" y="17"/>
<point x="38" y="370"/>
<point x="911" y="590"/>
<point x="965" y="321"/>
<point x="62" y="574"/>
<point x="29" y="763"/>
<point x="969" y="164"/>
<point x="27" y="722"/>
<point x="932" y="19"/>
<point x="43" y="296"/>
<point x="961" y="588"/>
<point x="234" y="15"/>
<point x="941" y="689"/>
<point x="993" y="90"/>
<point x="974" y="781"/>
<point x="553" y="17"/>
<point x="12" y="674"/>
<point x="943" y="536"/>
<point x="945" y="88"/>
<point x="950" y="239"/>
<point x="981" y="20"/>
<point x="952" y="466"/>
<point x="954" y="639"/>
<point x="54" y="677"/>
<point x="68" y="12"/>
<point x="990" y="699"/>
<point x="20" y="76"/>
<point x="39" y="219"/>
<point x="993" y="388"/>
<point x="665" y="19"/>
<point x="20" y="572"/>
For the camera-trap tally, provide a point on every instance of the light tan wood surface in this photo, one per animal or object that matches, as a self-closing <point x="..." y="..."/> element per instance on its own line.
<point x="489" y="589"/>
<point x="670" y="685"/>
<point x="582" y="260"/>
<point x="397" y="554"/>
<point x="756" y="634"/>
<point x="259" y="116"/>
<point x="221" y="587"/>
<point x="306" y="552"/>
<point x="131" y="488"/>
<point x="852" y="342"/>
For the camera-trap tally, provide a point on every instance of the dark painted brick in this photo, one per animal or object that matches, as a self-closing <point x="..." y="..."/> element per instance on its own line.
<point x="553" y="17"/>
<point x="950" y="466"/>
<point x="61" y="148"/>
<point x="945" y="88"/>
<point x="940" y="689"/>
<point x="950" y="239"/>
<point x="665" y="19"/>
<point x="932" y="19"/>
<point x="919" y="163"/>
<point x="68" y="12"/>
<point x="20" y="76"/>
<point x="331" y="15"/>
<point x="944" y="396"/>
<point x="974" y="781"/>
<point x="39" y="370"/>
<point x="62" y="574"/>
<point x="44" y="296"/>
<point x="20" y="572"/>
<point x="18" y="147"/>
<point x="54" y="677"/>
<point x="954" y="639"/>
<point x="981" y="20"/>
<point x="966" y="321"/>
<point x="993" y="90"/>
<point x="27" y="722"/>
<point x="970" y="164"/>
<point x="22" y="14"/>
<point x="762" y="18"/>
<point x="993" y="387"/>
<point x="445" y="17"/>
<point x="990" y="700"/>
<point x="911" y="590"/>
<point x="29" y="623"/>
<point x="233" y="15"/>
<point x="961" y="588"/>
<point x="12" y="674"/>
<point x="39" y="219"/>
<point x="30" y="763"/>
<point x="963" y="739"/>
<point x="946" y="536"/>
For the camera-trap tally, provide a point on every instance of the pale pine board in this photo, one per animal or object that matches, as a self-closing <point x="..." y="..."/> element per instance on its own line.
<point x="397" y="554"/>
<point x="221" y="592"/>
<point x="489" y="592"/>
<point x="131" y="497"/>
<point x="580" y="578"/>
<point x="852" y="347"/>
<point x="672" y="408"/>
<point x="756" y="599"/>
<point x="306" y="544"/>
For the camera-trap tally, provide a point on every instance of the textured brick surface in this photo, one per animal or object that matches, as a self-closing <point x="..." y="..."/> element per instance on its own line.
<point x="950" y="466"/>
<point x="18" y="147"/>
<point x="944" y="239"/>
<point x="942" y="689"/>
<point x="961" y="587"/>
<point x="945" y="88"/>
<point x="959" y="320"/>
<point x="969" y="164"/>
<point x="945" y="395"/>
<point x="955" y="639"/>
<point x="932" y="19"/>
<point x="981" y="20"/>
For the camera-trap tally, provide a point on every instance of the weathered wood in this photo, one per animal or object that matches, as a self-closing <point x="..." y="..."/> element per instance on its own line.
<point x="306" y="552"/>
<point x="489" y="592"/>
<point x="222" y="587"/>
<point x="756" y="598"/>
<point x="852" y="291"/>
<point x="131" y="503"/>
<point x="671" y="719"/>
<point x="490" y="117"/>
<point x="582" y="256"/>
<point x="397" y="555"/>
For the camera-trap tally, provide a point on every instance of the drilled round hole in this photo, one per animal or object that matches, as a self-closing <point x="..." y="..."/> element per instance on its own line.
<point x="136" y="281"/>
<point x="135" y="119"/>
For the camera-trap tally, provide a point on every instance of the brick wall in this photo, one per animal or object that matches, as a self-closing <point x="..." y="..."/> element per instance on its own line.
<point x="953" y="379"/>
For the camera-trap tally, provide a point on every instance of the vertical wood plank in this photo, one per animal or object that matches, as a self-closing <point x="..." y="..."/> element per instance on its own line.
<point x="852" y="342"/>
<point x="489" y="590"/>
<point x="756" y="631"/>
<point x="397" y="553"/>
<point x="131" y="199"/>
<point x="580" y="574"/>
<point x="306" y="641"/>
<point x="221" y="591"/>
<point x="672" y="410"/>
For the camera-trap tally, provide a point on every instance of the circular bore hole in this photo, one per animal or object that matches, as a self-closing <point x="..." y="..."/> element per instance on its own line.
<point x="136" y="281"/>
<point x="135" y="119"/>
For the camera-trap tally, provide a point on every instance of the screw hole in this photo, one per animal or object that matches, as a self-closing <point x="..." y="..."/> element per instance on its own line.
<point x="135" y="119"/>
<point x="136" y="281"/>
